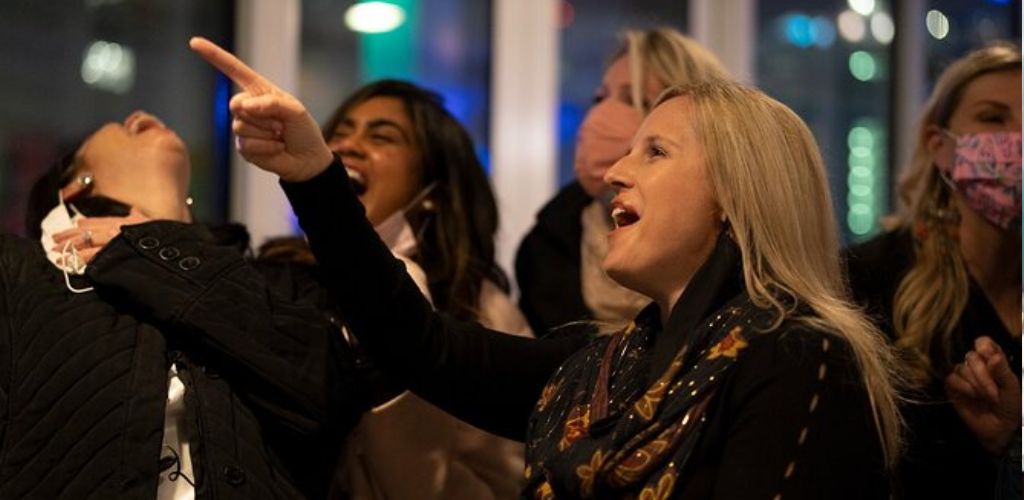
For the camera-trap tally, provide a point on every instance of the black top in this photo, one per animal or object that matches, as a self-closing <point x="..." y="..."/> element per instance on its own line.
<point x="942" y="459"/>
<point x="780" y="424"/>
<point x="83" y="377"/>
<point x="548" y="263"/>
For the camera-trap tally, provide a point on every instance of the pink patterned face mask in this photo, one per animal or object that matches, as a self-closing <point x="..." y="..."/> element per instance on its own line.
<point x="987" y="173"/>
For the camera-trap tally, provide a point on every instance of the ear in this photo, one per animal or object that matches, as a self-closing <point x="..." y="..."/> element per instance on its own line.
<point x="937" y="143"/>
<point x="81" y="184"/>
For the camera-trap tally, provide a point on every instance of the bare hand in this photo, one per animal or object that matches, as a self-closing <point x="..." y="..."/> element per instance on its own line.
<point x="93" y="233"/>
<point x="986" y="394"/>
<point x="273" y="129"/>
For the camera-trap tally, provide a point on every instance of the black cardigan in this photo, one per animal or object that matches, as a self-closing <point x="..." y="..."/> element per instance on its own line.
<point x="942" y="459"/>
<point x="753" y="447"/>
<point x="83" y="377"/>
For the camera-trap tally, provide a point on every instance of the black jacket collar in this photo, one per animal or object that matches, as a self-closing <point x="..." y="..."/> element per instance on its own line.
<point x="717" y="281"/>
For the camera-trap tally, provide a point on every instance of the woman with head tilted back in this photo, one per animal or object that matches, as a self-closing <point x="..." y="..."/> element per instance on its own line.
<point x="946" y="283"/>
<point x="425" y="192"/>
<point x="748" y="376"/>
<point x="558" y="264"/>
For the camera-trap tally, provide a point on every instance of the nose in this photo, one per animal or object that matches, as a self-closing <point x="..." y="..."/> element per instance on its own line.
<point x="619" y="176"/>
<point x="347" y="146"/>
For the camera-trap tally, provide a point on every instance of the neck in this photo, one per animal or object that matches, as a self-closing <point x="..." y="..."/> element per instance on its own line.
<point x="667" y="302"/>
<point x="992" y="254"/>
<point x="163" y="197"/>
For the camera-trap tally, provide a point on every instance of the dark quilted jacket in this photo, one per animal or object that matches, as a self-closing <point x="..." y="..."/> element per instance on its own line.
<point x="83" y="377"/>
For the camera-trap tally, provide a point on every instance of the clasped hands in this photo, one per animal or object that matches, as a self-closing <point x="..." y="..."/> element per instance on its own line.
<point x="987" y="395"/>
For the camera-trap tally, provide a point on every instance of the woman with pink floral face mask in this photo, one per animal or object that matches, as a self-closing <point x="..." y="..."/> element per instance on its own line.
<point x="946" y="283"/>
<point x="558" y="265"/>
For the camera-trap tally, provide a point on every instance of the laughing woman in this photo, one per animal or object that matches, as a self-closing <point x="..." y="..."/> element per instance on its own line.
<point x="749" y="376"/>
<point x="425" y="192"/>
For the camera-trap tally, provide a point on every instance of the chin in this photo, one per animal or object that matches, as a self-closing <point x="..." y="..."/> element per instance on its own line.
<point x="620" y="274"/>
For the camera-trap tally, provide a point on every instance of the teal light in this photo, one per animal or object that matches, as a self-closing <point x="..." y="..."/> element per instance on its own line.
<point x="865" y="180"/>
<point x="863" y="66"/>
<point x="860" y="137"/>
<point x="391" y="54"/>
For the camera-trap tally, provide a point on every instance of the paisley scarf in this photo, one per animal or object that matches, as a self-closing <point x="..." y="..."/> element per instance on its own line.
<point x="622" y="417"/>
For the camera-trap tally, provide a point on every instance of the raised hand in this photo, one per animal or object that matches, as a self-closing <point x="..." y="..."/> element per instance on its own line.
<point x="986" y="394"/>
<point x="273" y="129"/>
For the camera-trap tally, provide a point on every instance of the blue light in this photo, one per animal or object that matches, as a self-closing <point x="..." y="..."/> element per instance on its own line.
<point x="824" y="32"/>
<point x="484" y="155"/>
<point x="800" y="30"/>
<point x="457" y="100"/>
<point x="999" y="2"/>
<point x="221" y="98"/>
<point x="570" y="116"/>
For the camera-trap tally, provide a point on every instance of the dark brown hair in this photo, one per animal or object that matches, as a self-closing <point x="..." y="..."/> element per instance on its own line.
<point x="456" y="223"/>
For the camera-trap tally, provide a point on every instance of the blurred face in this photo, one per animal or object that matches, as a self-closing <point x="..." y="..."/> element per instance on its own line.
<point x="376" y="142"/>
<point x="989" y="103"/>
<point x="139" y="162"/>
<point x="609" y="125"/>
<point x="666" y="217"/>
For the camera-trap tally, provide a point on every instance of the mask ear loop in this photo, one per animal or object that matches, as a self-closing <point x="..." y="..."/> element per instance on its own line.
<point x="75" y="267"/>
<point x="421" y="197"/>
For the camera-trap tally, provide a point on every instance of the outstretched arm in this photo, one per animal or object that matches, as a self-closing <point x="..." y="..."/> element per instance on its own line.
<point x="484" y="377"/>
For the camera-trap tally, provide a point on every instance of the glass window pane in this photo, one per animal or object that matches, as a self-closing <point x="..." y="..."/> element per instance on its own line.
<point x="443" y="45"/>
<point x="829" y="61"/>
<point x="590" y="32"/>
<point x="71" y="66"/>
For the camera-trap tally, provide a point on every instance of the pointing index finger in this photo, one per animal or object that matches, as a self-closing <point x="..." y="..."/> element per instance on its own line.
<point x="240" y="73"/>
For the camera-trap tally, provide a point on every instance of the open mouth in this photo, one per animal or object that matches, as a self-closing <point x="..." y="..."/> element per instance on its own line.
<point x="357" y="180"/>
<point x="140" y="122"/>
<point x="624" y="217"/>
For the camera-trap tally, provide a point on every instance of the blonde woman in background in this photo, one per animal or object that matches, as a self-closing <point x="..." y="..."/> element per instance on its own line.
<point x="946" y="283"/>
<point x="558" y="264"/>
<point x="749" y="376"/>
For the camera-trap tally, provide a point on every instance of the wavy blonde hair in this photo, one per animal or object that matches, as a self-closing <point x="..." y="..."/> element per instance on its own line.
<point x="932" y="296"/>
<point x="769" y="179"/>
<point x="667" y="55"/>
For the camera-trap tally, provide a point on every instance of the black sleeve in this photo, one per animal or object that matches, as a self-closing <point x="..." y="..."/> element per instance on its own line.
<point x="283" y="357"/>
<point x="7" y="263"/>
<point x="801" y="425"/>
<point x="486" y="378"/>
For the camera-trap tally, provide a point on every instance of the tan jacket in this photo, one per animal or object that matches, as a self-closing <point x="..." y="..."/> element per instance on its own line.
<point x="410" y="449"/>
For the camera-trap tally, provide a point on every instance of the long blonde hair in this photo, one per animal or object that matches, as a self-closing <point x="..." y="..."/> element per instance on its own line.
<point x="932" y="296"/>
<point x="667" y="55"/>
<point x="770" y="181"/>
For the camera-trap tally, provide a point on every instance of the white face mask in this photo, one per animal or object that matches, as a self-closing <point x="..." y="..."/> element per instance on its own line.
<point x="56" y="221"/>
<point x="396" y="232"/>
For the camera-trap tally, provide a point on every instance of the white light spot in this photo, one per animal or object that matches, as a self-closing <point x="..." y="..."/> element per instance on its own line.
<point x="374" y="17"/>
<point x="862" y="7"/>
<point x="109" y="66"/>
<point x="882" y="28"/>
<point x="937" y="24"/>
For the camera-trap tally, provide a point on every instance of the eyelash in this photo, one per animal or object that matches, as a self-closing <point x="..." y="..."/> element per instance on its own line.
<point x="991" y="118"/>
<point x="654" y="151"/>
